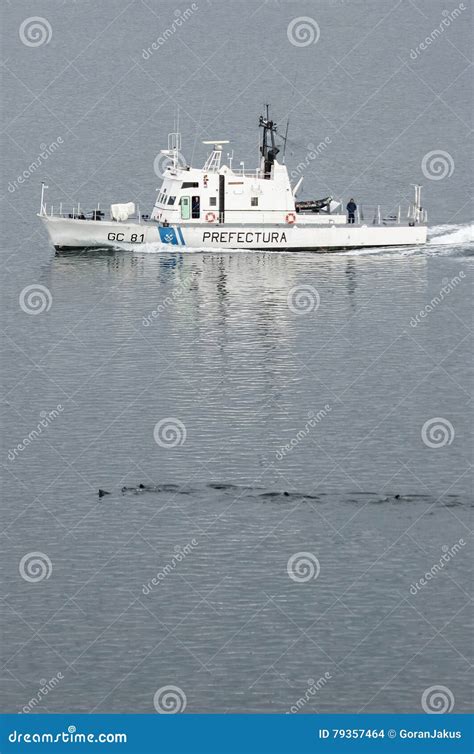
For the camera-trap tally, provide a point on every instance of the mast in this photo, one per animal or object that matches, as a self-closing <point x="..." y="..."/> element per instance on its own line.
<point x="268" y="151"/>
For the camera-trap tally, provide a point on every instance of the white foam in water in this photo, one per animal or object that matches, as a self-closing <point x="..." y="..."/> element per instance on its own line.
<point x="158" y="248"/>
<point x="452" y="235"/>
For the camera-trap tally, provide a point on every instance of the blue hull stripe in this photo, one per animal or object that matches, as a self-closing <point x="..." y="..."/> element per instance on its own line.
<point x="180" y="235"/>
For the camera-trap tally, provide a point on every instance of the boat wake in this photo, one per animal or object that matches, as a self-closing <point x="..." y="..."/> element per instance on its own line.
<point x="446" y="239"/>
<point x="451" y="235"/>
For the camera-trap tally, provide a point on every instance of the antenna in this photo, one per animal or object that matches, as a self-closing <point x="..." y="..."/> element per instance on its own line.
<point x="285" y="139"/>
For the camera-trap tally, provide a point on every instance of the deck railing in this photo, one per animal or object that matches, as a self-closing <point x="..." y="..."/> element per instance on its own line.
<point x="77" y="212"/>
<point x="364" y="215"/>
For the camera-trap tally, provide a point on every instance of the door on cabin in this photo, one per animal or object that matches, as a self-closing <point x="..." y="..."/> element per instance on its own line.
<point x="196" y="207"/>
<point x="185" y="208"/>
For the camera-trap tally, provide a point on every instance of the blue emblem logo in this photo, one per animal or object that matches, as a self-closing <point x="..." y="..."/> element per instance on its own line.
<point x="168" y="235"/>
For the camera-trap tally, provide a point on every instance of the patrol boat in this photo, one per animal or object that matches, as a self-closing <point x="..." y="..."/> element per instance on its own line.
<point x="218" y="207"/>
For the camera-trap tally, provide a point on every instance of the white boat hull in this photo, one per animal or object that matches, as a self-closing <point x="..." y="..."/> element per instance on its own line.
<point x="66" y="233"/>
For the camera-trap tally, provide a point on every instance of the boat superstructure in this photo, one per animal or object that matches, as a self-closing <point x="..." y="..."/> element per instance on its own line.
<point x="218" y="206"/>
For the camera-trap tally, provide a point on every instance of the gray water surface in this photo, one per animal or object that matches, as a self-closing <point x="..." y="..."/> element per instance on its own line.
<point x="313" y="458"/>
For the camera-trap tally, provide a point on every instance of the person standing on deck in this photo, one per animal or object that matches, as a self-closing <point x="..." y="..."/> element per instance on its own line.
<point x="351" y="210"/>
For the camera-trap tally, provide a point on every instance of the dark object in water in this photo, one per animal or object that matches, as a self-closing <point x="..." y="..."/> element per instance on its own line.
<point x="103" y="492"/>
<point x="222" y="486"/>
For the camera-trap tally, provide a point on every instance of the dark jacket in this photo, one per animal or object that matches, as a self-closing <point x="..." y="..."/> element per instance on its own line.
<point x="351" y="207"/>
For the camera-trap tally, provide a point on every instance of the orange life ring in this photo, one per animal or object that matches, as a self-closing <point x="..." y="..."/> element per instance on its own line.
<point x="210" y="217"/>
<point x="290" y="218"/>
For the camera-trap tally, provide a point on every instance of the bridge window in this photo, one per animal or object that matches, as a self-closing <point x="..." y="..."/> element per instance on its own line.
<point x="171" y="200"/>
<point x="195" y="207"/>
<point x="190" y="184"/>
<point x="213" y="201"/>
<point x="254" y="201"/>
